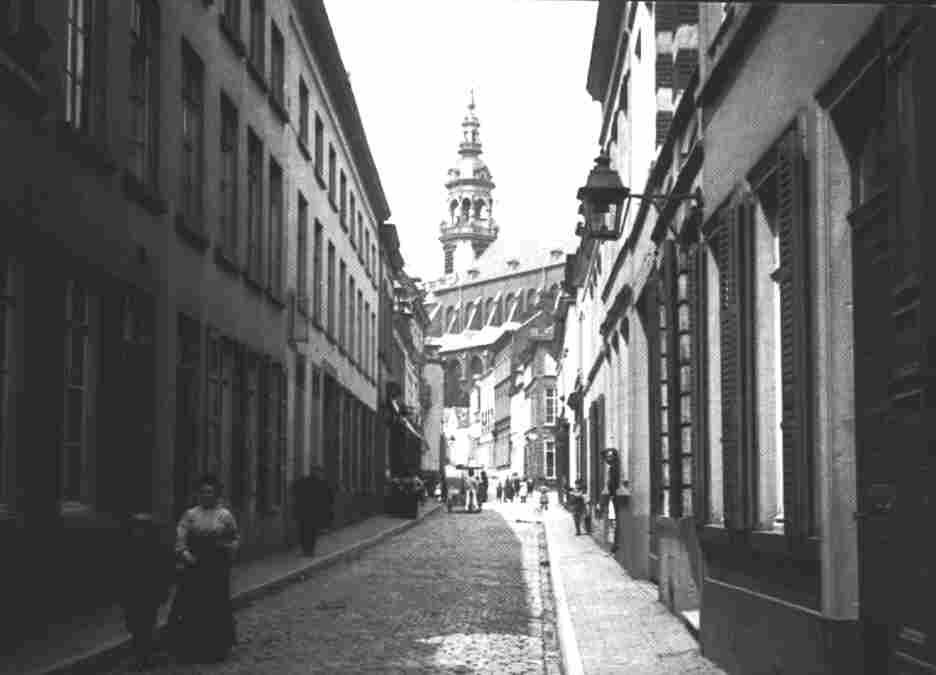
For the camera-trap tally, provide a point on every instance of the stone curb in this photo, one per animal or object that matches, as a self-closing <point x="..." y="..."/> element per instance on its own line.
<point x="110" y="653"/>
<point x="568" y="645"/>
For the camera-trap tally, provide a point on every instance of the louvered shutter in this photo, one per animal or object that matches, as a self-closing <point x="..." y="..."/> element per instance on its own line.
<point x="726" y="250"/>
<point x="794" y="335"/>
<point x="697" y="313"/>
<point x="668" y="382"/>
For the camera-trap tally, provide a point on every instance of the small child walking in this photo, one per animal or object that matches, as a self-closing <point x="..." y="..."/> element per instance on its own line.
<point x="146" y="576"/>
<point x="544" y="498"/>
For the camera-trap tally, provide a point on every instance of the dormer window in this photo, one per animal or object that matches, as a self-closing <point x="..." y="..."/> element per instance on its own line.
<point x="513" y="263"/>
<point x="473" y="273"/>
<point x="555" y="254"/>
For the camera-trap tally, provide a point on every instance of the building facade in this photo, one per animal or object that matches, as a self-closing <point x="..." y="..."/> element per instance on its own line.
<point x="744" y="355"/>
<point x="179" y="175"/>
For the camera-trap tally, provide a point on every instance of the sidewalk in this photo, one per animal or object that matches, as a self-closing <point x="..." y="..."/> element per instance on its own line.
<point x="607" y="621"/>
<point x="90" y="643"/>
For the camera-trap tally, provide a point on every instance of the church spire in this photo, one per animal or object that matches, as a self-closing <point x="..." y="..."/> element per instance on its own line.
<point x="469" y="228"/>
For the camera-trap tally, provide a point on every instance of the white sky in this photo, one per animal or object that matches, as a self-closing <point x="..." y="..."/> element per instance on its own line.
<point x="412" y="64"/>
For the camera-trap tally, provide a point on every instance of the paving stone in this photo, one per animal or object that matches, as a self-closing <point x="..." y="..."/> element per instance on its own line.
<point x="458" y="594"/>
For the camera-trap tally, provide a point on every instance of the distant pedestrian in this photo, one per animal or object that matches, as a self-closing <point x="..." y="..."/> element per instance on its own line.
<point x="544" y="497"/>
<point x="483" y="487"/>
<point x="312" y="499"/>
<point x="500" y="492"/>
<point x="508" y="490"/>
<point x="578" y="500"/>
<point x="201" y="622"/>
<point x="523" y="492"/>
<point x="146" y="573"/>
<point x="471" y="492"/>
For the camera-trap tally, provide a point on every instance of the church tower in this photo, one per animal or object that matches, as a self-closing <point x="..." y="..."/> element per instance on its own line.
<point x="469" y="228"/>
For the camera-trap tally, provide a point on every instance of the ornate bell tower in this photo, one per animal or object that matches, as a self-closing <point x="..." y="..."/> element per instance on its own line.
<point x="469" y="228"/>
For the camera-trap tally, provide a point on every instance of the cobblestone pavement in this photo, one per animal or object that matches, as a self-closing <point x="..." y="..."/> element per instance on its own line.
<point x="460" y="593"/>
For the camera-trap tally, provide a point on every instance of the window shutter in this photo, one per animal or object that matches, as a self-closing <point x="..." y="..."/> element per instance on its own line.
<point x="794" y="335"/>
<point x="669" y="360"/>
<point x="697" y="312"/>
<point x="727" y="249"/>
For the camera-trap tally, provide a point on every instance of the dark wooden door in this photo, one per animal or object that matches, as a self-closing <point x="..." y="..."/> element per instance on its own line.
<point x="894" y="359"/>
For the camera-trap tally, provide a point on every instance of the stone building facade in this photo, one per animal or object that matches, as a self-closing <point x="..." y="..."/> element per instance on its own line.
<point x="183" y="184"/>
<point x="747" y="356"/>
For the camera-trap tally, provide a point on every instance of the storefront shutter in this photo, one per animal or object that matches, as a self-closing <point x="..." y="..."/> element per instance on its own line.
<point x="794" y="335"/>
<point x="669" y="382"/>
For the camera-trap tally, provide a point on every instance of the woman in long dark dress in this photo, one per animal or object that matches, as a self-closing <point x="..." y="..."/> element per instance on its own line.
<point x="201" y="623"/>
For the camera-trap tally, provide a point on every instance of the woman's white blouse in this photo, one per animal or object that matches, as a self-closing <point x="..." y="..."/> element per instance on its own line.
<point x="217" y="521"/>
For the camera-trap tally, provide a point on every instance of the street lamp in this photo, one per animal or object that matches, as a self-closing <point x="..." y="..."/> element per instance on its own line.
<point x="604" y="190"/>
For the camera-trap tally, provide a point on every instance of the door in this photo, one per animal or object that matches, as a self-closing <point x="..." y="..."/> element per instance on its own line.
<point x="894" y="356"/>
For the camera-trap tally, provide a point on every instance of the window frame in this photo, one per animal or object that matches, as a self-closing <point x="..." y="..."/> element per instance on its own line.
<point x="228" y="178"/>
<point x="277" y="64"/>
<point x="276" y="225"/>
<point x="192" y="175"/>
<point x="143" y="92"/>
<point x="302" y="252"/>
<point x="79" y="92"/>
<point x="256" y="47"/>
<point x="255" y="248"/>
<point x="78" y="496"/>
<point x="549" y="401"/>
<point x="303" y="112"/>
<point x="549" y="449"/>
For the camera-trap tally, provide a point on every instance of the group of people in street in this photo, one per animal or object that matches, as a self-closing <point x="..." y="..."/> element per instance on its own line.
<point x="201" y="626"/>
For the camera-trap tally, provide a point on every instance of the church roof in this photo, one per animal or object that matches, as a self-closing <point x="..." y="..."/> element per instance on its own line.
<point x="467" y="339"/>
<point x="507" y="258"/>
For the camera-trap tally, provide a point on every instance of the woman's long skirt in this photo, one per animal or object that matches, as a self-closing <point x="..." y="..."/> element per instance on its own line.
<point x="201" y="622"/>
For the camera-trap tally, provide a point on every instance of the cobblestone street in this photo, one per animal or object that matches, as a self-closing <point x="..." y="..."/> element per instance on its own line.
<point x="460" y="593"/>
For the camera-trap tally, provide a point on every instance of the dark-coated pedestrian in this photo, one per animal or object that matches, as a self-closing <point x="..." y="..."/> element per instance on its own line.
<point x="312" y="504"/>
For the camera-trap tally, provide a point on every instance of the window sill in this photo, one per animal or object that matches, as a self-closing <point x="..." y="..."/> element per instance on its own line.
<point x="257" y="75"/>
<point x="714" y="537"/>
<point x="276" y="298"/>
<point x="304" y="149"/>
<point x="144" y="195"/>
<point x="252" y="281"/>
<point x="226" y="261"/>
<point x="279" y="107"/>
<point x="230" y="35"/>
<point x="90" y="151"/>
<point x="318" y="179"/>
<point x="193" y="235"/>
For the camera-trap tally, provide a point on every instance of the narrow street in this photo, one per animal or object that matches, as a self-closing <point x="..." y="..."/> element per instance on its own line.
<point x="459" y="593"/>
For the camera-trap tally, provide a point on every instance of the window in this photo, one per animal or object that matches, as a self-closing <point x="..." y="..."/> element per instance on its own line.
<point x="342" y="305"/>
<point x="78" y="64"/>
<point x="374" y="261"/>
<point x="365" y="347"/>
<point x="254" y="206"/>
<point x="343" y="201"/>
<point x="359" y="344"/>
<point x="355" y="240"/>
<point x="257" y="32"/>
<point x="302" y="253"/>
<point x="192" y="131"/>
<point x="373" y="345"/>
<point x="352" y="298"/>
<point x="7" y="340"/>
<point x="230" y="15"/>
<point x="228" y="181"/>
<point x="550" y="405"/>
<point x="143" y="72"/>
<point x="367" y="253"/>
<point x="277" y="65"/>
<point x="360" y="228"/>
<point x="275" y="232"/>
<point x="318" y="297"/>
<point x="75" y="469"/>
<point x="331" y="174"/>
<point x="217" y="394"/>
<point x="764" y="327"/>
<point x="319" y="145"/>
<point x="549" y="458"/>
<point x="331" y="290"/>
<point x="303" y="112"/>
